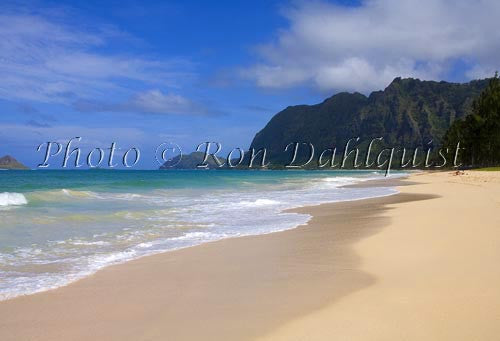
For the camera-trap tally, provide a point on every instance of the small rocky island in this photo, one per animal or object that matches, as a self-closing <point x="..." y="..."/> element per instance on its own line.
<point x="190" y="161"/>
<point x="8" y="162"/>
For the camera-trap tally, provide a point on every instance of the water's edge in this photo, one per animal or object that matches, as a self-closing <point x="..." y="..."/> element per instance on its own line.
<point x="195" y="241"/>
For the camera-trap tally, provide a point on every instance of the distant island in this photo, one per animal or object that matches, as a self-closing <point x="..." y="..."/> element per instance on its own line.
<point x="190" y="161"/>
<point x="8" y="162"/>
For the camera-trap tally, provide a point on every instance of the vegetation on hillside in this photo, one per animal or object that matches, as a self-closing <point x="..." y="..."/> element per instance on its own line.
<point x="409" y="113"/>
<point x="479" y="132"/>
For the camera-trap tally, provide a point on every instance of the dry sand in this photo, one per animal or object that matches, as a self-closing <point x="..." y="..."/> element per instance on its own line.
<point x="437" y="270"/>
<point x="411" y="266"/>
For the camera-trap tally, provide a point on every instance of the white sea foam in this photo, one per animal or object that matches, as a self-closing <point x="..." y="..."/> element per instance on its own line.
<point x="259" y="202"/>
<point x="159" y="221"/>
<point x="86" y="243"/>
<point x="344" y="180"/>
<point x="12" y="199"/>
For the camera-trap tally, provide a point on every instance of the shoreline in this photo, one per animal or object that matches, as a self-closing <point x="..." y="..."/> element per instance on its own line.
<point x="316" y="281"/>
<point x="292" y="259"/>
<point x="386" y="182"/>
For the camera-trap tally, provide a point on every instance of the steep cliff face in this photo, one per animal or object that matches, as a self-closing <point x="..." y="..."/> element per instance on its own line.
<point x="409" y="113"/>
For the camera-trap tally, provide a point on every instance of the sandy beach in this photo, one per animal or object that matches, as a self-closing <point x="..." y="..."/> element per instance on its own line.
<point x="419" y="265"/>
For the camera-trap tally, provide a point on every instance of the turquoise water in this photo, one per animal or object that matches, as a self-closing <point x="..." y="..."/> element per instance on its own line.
<point x="59" y="226"/>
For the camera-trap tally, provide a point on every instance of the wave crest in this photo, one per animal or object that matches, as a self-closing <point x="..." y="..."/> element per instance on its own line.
<point x="12" y="199"/>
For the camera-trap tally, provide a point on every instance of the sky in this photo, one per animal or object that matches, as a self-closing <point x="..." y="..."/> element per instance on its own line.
<point x="140" y="73"/>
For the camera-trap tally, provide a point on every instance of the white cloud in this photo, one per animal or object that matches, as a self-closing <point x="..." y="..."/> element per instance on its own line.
<point x="155" y="101"/>
<point x="150" y="102"/>
<point x="334" y="47"/>
<point x="48" y="60"/>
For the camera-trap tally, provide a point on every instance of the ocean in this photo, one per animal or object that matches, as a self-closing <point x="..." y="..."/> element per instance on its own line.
<point x="59" y="226"/>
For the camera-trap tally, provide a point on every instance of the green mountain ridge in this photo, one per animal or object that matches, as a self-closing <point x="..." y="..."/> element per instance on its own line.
<point x="408" y="113"/>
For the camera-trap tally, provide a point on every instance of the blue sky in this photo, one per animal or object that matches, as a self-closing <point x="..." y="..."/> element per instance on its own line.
<point x="139" y="73"/>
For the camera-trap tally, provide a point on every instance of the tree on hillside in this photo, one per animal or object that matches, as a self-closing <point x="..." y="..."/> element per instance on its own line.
<point x="479" y="132"/>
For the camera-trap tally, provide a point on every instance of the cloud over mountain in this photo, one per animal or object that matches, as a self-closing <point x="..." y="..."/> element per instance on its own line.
<point x="364" y="47"/>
